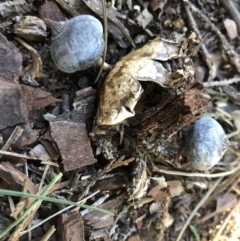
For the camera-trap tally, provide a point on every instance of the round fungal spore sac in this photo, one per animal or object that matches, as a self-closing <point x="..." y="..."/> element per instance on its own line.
<point x="206" y="142"/>
<point x="77" y="43"/>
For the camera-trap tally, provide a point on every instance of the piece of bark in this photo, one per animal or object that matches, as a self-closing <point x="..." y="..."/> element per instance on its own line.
<point x="73" y="143"/>
<point x="70" y="226"/>
<point x="17" y="7"/>
<point x="31" y="28"/>
<point x="176" y="111"/>
<point x="50" y="10"/>
<point x="10" y="61"/>
<point x="15" y="178"/>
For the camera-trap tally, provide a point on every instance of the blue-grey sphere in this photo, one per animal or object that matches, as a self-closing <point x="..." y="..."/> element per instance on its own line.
<point x="79" y="45"/>
<point x="206" y="143"/>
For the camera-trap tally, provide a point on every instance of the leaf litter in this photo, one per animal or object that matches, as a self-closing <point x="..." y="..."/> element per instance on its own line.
<point x="122" y="139"/>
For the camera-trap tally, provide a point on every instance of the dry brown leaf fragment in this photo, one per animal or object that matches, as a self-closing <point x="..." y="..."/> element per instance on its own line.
<point x="100" y="220"/>
<point x="15" y="178"/>
<point x="73" y="143"/>
<point x="121" y="90"/>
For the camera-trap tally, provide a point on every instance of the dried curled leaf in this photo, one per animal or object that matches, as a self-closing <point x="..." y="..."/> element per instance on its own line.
<point x="121" y="90"/>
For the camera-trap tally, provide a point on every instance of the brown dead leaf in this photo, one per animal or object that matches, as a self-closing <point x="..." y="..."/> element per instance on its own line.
<point x="175" y="188"/>
<point x="158" y="193"/>
<point x="224" y="203"/>
<point x="231" y="28"/>
<point x="15" y="178"/>
<point x="156" y="4"/>
<point x="100" y="220"/>
<point x="73" y="143"/>
<point x="70" y="226"/>
<point x="36" y="99"/>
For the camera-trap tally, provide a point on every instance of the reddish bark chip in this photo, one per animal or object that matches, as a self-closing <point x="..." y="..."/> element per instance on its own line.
<point x="73" y="143"/>
<point x="15" y="178"/>
<point x="70" y="227"/>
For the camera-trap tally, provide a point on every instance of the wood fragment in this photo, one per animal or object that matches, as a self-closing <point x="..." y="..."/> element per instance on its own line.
<point x="176" y="111"/>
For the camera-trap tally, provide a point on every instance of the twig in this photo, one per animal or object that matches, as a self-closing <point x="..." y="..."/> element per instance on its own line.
<point x="197" y="208"/>
<point x="225" y="222"/>
<point x="233" y="56"/>
<point x="13" y="138"/>
<point x="207" y="56"/>
<point x="179" y="173"/>
<point x="48" y="234"/>
<point x="222" y="82"/>
<point x="7" y="153"/>
<point x="105" y="39"/>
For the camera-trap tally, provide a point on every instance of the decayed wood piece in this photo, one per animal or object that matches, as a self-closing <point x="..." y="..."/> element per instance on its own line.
<point x="121" y="90"/>
<point x="31" y="28"/>
<point x="176" y="111"/>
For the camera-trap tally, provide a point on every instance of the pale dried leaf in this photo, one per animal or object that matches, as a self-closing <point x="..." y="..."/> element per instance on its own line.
<point x="121" y="90"/>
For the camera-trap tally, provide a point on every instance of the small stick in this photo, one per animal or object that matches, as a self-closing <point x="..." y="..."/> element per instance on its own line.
<point x="222" y="82"/>
<point x="197" y="208"/>
<point x="233" y="56"/>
